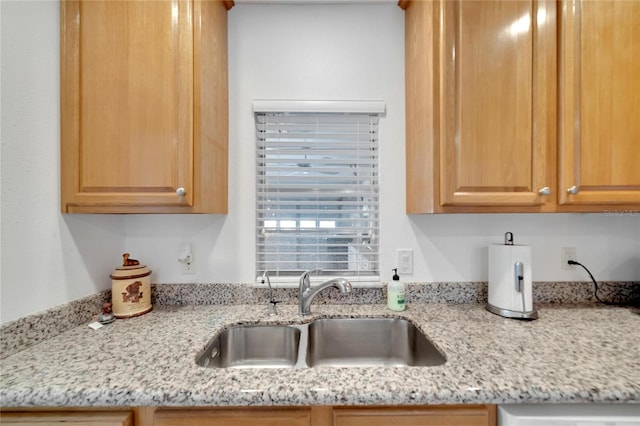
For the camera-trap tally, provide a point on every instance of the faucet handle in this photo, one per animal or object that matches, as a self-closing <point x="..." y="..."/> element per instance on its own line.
<point x="304" y="278"/>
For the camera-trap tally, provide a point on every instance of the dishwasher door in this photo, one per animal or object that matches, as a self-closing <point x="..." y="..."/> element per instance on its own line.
<point x="569" y="415"/>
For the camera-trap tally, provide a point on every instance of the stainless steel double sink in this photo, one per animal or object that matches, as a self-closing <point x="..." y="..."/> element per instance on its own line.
<point x="334" y="342"/>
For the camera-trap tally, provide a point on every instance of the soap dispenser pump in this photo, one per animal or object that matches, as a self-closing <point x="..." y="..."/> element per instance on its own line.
<point x="396" y="293"/>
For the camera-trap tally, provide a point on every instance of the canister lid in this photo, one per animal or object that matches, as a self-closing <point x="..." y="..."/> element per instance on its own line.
<point x="131" y="268"/>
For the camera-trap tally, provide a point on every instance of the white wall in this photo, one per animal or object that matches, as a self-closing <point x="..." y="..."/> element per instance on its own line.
<point x="47" y="258"/>
<point x="357" y="52"/>
<point x="337" y="52"/>
<point x="332" y="52"/>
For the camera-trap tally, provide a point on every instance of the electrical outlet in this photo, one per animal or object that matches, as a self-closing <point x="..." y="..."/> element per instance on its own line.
<point x="567" y="254"/>
<point x="188" y="268"/>
<point x="185" y="257"/>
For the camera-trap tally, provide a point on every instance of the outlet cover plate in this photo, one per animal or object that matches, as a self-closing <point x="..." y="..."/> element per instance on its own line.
<point x="188" y="268"/>
<point x="566" y="254"/>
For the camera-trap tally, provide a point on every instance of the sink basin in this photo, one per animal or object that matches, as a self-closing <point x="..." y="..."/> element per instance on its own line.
<point x="332" y="342"/>
<point x="359" y="342"/>
<point x="253" y="346"/>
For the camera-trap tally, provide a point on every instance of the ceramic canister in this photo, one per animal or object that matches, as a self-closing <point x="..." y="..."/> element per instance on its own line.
<point x="130" y="289"/>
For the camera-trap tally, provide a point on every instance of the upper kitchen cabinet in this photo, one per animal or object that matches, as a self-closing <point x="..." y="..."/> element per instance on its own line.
<point x="513" y="106"/>
<point x="480" y="102"/>
<point x="144" y="106"/>
<point x="599" y="137"/>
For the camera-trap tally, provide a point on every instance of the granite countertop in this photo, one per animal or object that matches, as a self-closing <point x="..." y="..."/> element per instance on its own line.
<point x="573" y="353"/>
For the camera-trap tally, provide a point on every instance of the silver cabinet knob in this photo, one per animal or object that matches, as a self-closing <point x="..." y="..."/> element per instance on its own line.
<point x="180" y="192"/>
<point x="573" y="190"/>
<point x="545" y="191"/>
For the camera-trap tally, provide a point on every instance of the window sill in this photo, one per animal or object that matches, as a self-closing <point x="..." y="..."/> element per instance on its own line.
<point x="293" y="282"/>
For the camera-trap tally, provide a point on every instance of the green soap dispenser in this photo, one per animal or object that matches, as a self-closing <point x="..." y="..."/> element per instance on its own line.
<point x="396" y="293"/>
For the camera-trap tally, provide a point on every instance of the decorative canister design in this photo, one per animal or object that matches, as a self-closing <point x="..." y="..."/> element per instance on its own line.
<point x="130" y="289"/>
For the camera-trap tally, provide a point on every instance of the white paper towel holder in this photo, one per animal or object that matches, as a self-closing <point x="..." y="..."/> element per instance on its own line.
<point x="514" y="287"/>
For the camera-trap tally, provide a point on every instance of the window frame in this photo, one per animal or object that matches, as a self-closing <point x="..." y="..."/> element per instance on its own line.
<point x="375" y="110"/>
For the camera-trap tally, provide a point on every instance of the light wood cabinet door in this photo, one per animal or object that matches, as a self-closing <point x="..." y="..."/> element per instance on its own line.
<point x="418" y="416"/>
<point x="497" y="70"/>
<point x="249" y="416"/>
<point x="72" y="418"/>
<point x="480" y="105"/>
<point x="599" y="137"/>
<point x="143" y="106"/>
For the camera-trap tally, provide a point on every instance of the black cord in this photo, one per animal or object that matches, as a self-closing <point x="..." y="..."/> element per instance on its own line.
<point x="595" y="283"/>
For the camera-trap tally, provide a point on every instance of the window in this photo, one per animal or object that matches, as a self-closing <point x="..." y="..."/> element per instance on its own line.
<point x="317" y="189"/>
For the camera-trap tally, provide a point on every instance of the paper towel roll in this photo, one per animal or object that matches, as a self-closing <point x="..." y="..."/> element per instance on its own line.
<point x="503" y="293"/>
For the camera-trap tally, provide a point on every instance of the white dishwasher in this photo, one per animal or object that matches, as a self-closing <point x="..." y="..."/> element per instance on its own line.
<point x="569" y="415"/>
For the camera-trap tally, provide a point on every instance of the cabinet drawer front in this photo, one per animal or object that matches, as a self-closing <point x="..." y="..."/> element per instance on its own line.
<point x="71" y="418"/>
<point x="234" y="417"/>
<point x="427" y="416"/>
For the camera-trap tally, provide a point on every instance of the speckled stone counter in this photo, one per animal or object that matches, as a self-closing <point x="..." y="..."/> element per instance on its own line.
<point x="573" y="353"/>
<point x="20" y="334"/>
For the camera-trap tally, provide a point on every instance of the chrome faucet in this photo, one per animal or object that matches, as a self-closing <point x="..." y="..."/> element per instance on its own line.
<point x="306" y="293"/>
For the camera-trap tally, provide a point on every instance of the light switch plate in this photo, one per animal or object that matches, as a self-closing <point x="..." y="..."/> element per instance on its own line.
<point x="405" y="261"/>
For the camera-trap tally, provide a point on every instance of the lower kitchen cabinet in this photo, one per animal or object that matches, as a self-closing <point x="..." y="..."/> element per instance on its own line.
<point x="410" y="416"/>
<point x="442" y="415"/>
<point x="457" y="415"/>
<point x="88" y="418"/>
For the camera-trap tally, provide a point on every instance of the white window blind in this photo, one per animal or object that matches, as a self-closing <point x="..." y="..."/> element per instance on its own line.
<point x="317" y="193"/>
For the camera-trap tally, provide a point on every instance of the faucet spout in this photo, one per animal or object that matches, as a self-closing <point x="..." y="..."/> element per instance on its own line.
<point x="306" y="293"/>
<point x="272" y="301"/>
